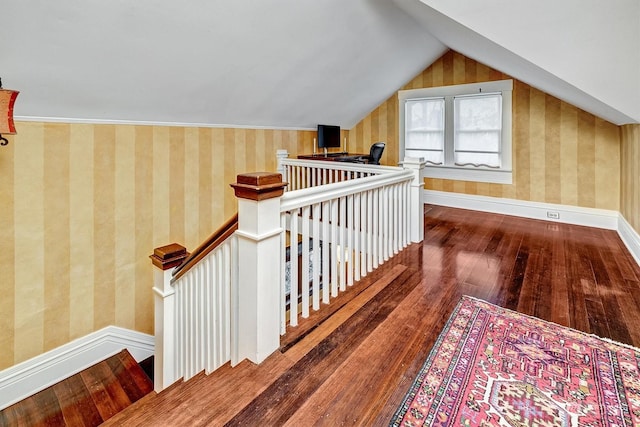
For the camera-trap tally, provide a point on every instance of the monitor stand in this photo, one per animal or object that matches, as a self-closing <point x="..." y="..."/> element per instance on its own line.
<point x="326" y="152"/>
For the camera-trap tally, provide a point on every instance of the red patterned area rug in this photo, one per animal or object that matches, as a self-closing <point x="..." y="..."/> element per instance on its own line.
<point x="495" y="367"/>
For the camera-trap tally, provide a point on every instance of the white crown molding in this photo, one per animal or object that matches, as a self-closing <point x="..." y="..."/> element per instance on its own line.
<point x="150" y="123"/>
<point x="33" y="375"/>
<point x="590" y="217"/>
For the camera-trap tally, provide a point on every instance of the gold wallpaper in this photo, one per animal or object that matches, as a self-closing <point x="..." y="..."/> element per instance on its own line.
<point x="83" y="206"/>
<point x="630" y="173"/>
<point x="555" y="145"/>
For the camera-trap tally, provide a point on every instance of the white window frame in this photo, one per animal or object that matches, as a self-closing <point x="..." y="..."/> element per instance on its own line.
<point x="503" y="175"/>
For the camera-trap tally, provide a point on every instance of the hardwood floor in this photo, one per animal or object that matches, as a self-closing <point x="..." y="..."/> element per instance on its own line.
<point x="355" y="367"/>
<point x="85" y="399"/>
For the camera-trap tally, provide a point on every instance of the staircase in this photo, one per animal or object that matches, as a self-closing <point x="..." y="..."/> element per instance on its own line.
<point x="87" y="398"/>
<point x="240" y="294"/>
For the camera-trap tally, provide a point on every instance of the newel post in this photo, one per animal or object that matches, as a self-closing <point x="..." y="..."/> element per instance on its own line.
<point x="258" y="297"/>
<point x="281" y="155"/>
<point x="417" y="165"/>
<point x="165" y="258"/>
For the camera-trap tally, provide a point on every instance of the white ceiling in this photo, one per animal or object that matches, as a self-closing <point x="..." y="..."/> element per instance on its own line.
<point x="273" y="63"/>
<point x="586" y="52"/>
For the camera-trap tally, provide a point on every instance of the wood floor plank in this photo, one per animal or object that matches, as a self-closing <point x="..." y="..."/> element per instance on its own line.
<point x="84" y="399"/>
<point x="108" y="400"/>
<point x="559" y="293"/>
<point x="376" y="368"/>
<point x="78" y="408"/>
<point x="279" y="401"/>
<point x="598" y="324"/>
<point x="326" y="328"/>
<point x="130" y="376"/>
<point x="295" y="334"/>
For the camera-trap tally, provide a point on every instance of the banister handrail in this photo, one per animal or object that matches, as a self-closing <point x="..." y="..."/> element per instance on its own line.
<point x="212" y="242"/>
<point x="352" y="167"/>
<point x="298" y="198"/>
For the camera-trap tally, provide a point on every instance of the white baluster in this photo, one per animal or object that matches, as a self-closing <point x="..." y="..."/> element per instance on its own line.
<point x="334" y="247"/>
<point x="341" y="256"/>
<point x="349" y="243"/>
<point x="376" y="227"/>
<point x="316" y="256"/>
<point x="293" y="269"/>
<point x="357" y="234"/>
<point x="370" y="222"/>
<point x="325" y="252"/>
<point x="283" y="277"/>
<point x="306" y="214"/>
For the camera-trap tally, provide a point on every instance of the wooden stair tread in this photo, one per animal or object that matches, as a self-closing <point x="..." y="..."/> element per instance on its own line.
<point x="87" y="398"/>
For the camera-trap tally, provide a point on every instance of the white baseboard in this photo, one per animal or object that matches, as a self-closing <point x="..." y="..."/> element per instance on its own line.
<point x="630" y="237"/>
<point x="26" y="378"/>
<point x="590" y="217"/>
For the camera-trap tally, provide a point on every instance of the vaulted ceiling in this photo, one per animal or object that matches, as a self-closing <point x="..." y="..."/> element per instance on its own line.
<point x="297" y="63"/>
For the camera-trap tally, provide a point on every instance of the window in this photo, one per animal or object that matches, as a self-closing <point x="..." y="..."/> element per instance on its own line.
<point x="463" y="132"/>
<point x="424" y="132"/>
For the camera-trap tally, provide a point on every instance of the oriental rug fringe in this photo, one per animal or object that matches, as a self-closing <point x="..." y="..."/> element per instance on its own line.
<point x="495" y="367"/>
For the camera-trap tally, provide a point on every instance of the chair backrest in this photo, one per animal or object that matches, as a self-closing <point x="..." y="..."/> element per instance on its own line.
<point x="375" y="153"/>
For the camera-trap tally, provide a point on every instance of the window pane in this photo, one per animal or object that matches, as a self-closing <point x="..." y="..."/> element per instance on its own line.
<point x="485" y="159"/>
<point x="424" y="129"/>
<point x="425" y="114"/>
<point x="482" y="112"/>
<point x="478" y="141"/>
<point x="478" y="129"/>
<point x="427" y="140"/>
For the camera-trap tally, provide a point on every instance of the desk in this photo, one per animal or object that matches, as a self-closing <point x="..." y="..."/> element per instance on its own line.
<point x="332" y="157"/>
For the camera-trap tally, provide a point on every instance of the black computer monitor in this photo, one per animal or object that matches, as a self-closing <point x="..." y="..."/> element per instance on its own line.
<point x="328" y="136"/>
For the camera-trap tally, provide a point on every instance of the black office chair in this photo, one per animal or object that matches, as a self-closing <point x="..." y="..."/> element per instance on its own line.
<point x="375" y="153"/>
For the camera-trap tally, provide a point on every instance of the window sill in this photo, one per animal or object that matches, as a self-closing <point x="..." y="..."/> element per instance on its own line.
<point x="474" y="175"/>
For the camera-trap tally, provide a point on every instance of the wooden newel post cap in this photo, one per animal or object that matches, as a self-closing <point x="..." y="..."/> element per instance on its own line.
<point x="259" y="186"/>
<point x="166" y="257"/>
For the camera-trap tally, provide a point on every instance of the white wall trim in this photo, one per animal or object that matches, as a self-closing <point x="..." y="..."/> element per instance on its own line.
<point x="630" y="237"/>
<point x="72" y="120"/>
<point x="26" y="378"/>
<point x="591" y="217"/>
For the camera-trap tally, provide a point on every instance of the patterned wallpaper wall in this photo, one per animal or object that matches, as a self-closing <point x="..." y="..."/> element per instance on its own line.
<point x="555" y="145"/>
<point x="83" y="206"/>
<point x="630" y="174"/>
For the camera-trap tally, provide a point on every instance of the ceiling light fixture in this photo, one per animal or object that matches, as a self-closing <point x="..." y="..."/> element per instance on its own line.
<point x="7" y="99"/>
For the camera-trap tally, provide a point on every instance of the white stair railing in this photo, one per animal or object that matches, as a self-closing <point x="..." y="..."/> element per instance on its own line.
<point x="301" y="174"/>
<point x="193" y="306"/>
<point x="339" y="232"/>
<point x="203" y="312"/>
<point x="231" y="303"/>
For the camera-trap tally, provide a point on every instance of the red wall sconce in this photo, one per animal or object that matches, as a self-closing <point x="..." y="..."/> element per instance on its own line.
<point x="7" y="99"/>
